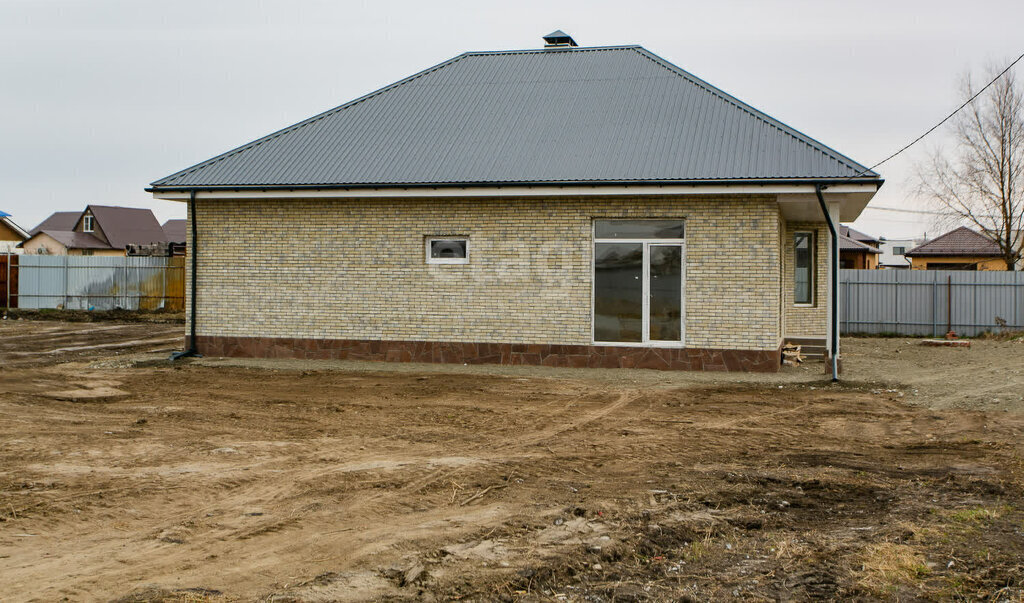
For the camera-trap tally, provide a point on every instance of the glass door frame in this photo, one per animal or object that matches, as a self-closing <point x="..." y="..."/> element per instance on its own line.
<point x="646" y="293"/>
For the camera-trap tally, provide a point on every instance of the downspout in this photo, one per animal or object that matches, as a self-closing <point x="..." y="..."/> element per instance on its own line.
<point x="193" y="254"/>
<point x="834" y="271"/>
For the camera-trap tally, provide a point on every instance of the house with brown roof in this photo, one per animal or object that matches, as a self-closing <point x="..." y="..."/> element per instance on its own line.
<point x="11" y="235"/>
<point x="960" y="249"/>
<point x="98" y="230"/>
<point x="857" y="250"/>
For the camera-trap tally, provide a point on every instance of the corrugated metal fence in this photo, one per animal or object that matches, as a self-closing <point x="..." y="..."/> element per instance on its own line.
<point x="929" y="302"/>
<point x="97" y="283"/>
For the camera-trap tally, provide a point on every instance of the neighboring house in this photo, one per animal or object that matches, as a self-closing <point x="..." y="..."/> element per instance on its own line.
<point x="562" y="206"/>
<point x="857" y="250"/>
<point x="960" y="249"/>
<point x="893" y="253"/>
<point x="175" y="231"/>
<point x="99" y="230"/>
<point x="11" y="235"/>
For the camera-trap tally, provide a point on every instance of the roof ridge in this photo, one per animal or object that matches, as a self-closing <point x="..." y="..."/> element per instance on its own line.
<point x="756" y="113"/>
<point x="552" y="50"/>
<point x="311" y="120"/>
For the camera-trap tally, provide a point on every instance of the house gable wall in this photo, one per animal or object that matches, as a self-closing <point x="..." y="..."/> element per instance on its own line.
<point x="355" y="269"/>
<point x="8" y="234"/>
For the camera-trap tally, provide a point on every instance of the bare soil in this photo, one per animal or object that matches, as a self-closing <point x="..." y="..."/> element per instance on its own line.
<point x="124" y="477"/>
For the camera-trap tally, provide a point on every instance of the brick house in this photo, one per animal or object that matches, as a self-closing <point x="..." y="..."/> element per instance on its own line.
<point x="98" y="230"/>
<point x="958" y="249"/>
<point x="857" y="250"/>
<point x="563" y="206"/>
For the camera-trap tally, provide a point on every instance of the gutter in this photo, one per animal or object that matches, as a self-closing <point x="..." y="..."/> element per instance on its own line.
<point x="192" y="350"/>
<point x="834" y="271"/>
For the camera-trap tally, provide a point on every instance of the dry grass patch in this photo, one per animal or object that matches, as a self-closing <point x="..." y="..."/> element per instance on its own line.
<point x="887" y="566"/>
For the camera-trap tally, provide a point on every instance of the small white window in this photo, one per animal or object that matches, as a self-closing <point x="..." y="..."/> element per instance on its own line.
<point x="87" y="224"/>
<point x="447" y="250"/>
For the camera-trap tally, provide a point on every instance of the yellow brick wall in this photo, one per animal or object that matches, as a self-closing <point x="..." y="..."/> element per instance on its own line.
<point x="803" y="321"/>
<point x="355" y="269"/>
<point x="984" y="263"/>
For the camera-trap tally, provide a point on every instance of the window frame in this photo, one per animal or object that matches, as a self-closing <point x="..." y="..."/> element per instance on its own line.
<point x="427" y="241"/>
<point x="899" y="250"/>
<point x="645" y="287"/>
<point x="811" y="276"/>
<point x="88" y="223"/>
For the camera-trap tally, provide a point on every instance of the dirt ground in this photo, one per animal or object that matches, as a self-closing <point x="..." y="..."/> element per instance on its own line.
<point x="126" y="478"/>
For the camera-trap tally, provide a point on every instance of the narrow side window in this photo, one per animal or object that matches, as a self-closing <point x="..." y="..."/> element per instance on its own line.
<point x="803" y="267"/>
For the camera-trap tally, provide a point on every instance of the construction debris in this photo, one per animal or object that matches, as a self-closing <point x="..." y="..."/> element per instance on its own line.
<point x="949" y="343"/>
<point x="791" y="355"/>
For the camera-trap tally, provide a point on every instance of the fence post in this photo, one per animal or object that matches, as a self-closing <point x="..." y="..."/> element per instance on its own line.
<point x="974" y="303"/>
<point x="65" y="304"/>
<point x="1017" y="322"/>
<point x="163" y="291"/>
<point x="847" y="285"/>
<point x="949" y="304"/>
<point x="935" y="308"/>
<point x="7" y="267"/>
<point x="896" y="303"/>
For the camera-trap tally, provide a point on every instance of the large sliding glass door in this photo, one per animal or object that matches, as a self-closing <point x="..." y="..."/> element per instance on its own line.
<point x="638" y="281"/>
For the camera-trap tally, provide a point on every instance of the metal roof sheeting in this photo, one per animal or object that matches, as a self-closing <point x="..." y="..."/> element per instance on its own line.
<point x="61" y="220"/>
<point x="581" y="115"/>
<point x="960" y="241"/>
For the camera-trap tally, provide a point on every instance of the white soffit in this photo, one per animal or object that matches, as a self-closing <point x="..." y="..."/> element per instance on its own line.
<point x="797" y="201"/>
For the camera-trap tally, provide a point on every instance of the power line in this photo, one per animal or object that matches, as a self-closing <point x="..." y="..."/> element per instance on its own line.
<point x="914" y="211"/>
<point x="944" y="120"/>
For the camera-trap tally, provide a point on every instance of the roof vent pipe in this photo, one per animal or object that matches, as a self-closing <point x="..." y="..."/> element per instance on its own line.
<point x="559" y="39"/>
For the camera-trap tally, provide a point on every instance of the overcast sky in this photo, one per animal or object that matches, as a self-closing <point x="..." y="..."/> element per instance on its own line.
<point x="99" y="98"/>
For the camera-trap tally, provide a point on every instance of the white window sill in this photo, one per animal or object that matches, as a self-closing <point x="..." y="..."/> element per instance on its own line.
<point x="634" y="344"/>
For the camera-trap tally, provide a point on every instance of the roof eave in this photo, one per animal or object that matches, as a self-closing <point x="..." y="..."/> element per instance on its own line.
<point x="155" y="188"/>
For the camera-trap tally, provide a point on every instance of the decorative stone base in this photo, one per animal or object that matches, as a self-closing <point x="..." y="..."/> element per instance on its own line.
<point x="579" y="356"/>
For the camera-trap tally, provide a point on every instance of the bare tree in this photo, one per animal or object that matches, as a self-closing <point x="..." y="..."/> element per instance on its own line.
<point x="981" y="182"/>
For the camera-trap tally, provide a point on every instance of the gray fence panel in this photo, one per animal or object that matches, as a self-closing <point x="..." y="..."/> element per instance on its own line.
<point x="927" y="302"/>
<point x="96" y="282"/>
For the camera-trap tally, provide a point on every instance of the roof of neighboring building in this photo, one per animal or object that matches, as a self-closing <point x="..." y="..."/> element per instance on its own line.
<point x="856" y="235"/>
<point x="175" y="230"/>
<point x="121" y="226"/>
<point x="74" y="240"/>
<point x="6" y="219"/>
<point x="61" y="220"/>
<point x="960" y="242"/>
<point x="128" y="225"/>
<point x="564" y="115"/>
<point x="848" y="244"/>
